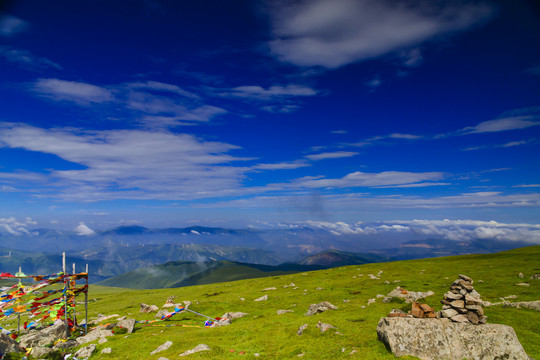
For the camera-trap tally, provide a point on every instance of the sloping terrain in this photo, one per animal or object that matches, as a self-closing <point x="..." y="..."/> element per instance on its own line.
<point x="183" y="273"/>
<point x="349" y="288"/>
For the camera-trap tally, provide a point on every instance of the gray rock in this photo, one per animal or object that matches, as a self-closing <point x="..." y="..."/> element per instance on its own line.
<point x="162" y="313"/>
<point x="460" y="318"/>
<point x="200" y="347"/>
<point x="8" y="345"/>
<point x="301" y="329"/>
<point x="466" y="278"/>
<point x="66" y="344"/>
<point x="44" y="337"/>
<point x="262" y="298"/>
<point x="162" y="358"/>
<point x="324" y="327"/>
<point x="436" y="339"/>
<point x="320" y="307"/>
<point x="162" y="347"/>
<point x="281" y="312"/>
<point x="535" y="276"/>
<point x="234" y="315"/>
<point x="40" y="351"/>
<point x="448" y="313"/>
<point x="148" y="308"/>
<point x="533" y="305"/>
<point x="452" y="296"/>
<point x="94" y="335"/>
<point x="128" y="324"/>
<point x="106" y="350"/>
<point x="85" y="352"/>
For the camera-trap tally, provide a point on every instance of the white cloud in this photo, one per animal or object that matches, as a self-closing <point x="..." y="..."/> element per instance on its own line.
<point x="83" y="230"/>
<point x="276" y="91"/>
<point x="154" y="103"/>
<point x="128" y="164"/>
<point x="14" y="227"/>
<point x="331" y="155"/>
<point x="333" y="33"/>
<point x="26" y="59"/>
<point x="504" y="124"/>
<point x="78" y="92"/>
<point x="412" y="57"/>
<point x="11" y="25"/>
<point x="281" y="166"/>
<point x="458" y="230"/>
<point x="361" y="179"/>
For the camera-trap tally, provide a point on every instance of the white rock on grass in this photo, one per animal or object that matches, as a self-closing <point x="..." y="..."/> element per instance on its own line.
<point x="281" y="312"/>
<point x="106" y="350"/>
<point x="85" y="352"/>
<point x="523" y="284"/>
<point x="270" y="288"/>
<point x="196" y="349"/>
<point x="162" y="347"/>
<point x="262" y="298"/>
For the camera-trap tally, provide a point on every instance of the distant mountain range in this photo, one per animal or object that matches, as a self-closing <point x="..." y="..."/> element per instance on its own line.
<point x="121" y="250"/>
<point x="183" y="273"/>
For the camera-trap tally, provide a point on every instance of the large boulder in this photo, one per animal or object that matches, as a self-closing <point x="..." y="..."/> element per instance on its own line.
<point x="8" y="345"/>
<point x="45" y="336"/>
<point x="442" y="339"/>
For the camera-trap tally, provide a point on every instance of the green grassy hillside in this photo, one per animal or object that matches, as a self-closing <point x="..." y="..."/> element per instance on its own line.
<point x="274" y="336"/>
<point x="184" y="273"/>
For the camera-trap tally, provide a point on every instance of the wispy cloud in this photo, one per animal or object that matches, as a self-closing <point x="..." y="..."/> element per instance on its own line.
<point x="155" y="104"/>
<point x="504" y="124"/>
<point x="281" y="166"/>
<point x="276" y="91"/>
<point x="128" y="164"/>
<point x="361" y="179"/>
<point x="333" y="33"/>
<point x="11" y="25"/>
<point x="331" y="155"/>
<point x="78" y="92"/>
<point x="25" y="59"/>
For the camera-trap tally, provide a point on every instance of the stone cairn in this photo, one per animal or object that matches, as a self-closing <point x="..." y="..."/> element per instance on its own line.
<point x="462" y="303"/>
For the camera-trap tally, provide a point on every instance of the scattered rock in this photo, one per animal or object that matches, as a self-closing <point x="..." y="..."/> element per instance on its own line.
<point x="535" y="276"/>
<point x="162" y="347"/>
<point x="270" y="288"/>
<point x="40" y="352"/>
<point x="301" y="329"/>
<point x="85" y="352"/>
<point x="161" y="313"/>
<point x="101" y="341"/>
<point x="408" y="296"/>
<point x="523" y="284"/>
<point x="198" y="348"/>
<point x="128" y="324"/>
<point x="262" y="298"/>
<point x="45" y="336"/>
<point x="9" y="345"/>
<point x="62" y="345"/>
<point x="148" y="308"/>
<point x="521" y="275"/>
<point x="233" y="315"/>
<point x="324" y="327"/>
<point x="373" y="277"/>
<point x="534" y="305"/>
<point x="320" y="307"/>
<point x="106" y="350"/>
<point x="351" y="353"/>
<point x="94" y="335"/>
<point x="371" y="301"/>
<point x="102" y="318"/>
<point x="169" y="302"/>
<point x="440" y="339"/>
<point x="162" y="358"/>
<point x="281" y="312"/>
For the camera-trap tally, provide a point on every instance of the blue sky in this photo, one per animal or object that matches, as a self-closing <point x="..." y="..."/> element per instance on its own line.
<point x="239" y="113"/>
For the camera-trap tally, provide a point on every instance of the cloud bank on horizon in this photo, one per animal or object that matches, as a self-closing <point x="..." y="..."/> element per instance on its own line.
<point x="322" y="111"/>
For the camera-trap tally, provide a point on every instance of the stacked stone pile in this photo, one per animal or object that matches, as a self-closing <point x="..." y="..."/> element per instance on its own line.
<point x="462" y="303"/>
